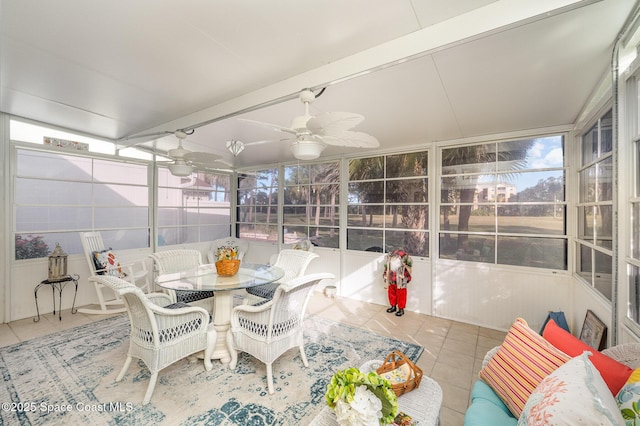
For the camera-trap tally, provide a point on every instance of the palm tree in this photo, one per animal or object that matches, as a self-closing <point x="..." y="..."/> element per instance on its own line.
<point x="470" y="162"/>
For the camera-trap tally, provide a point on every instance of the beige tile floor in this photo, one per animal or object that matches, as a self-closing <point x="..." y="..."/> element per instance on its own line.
<point x="453" y="351"/>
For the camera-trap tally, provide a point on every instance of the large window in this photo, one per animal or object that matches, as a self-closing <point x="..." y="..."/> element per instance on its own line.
<point x="633" y="258"/>
<point x="58" y="195"/>
<point x="504" y="203"/>
<point x="595" y="207"/>
<point x="194" y="208"/>
<point x="311" y="204"/>
<point x="388" y="204"/>
<point x="257" y="211"/>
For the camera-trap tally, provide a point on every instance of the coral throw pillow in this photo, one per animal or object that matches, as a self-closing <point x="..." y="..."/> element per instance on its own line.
<point x="520" y="364"/>
<point x="574" y="394"/>
<point x="615" y="374"/>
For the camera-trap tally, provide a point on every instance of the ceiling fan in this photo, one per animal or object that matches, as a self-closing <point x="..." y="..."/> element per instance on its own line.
<point x="309" y="135"/>
<point x="184" y="160"/>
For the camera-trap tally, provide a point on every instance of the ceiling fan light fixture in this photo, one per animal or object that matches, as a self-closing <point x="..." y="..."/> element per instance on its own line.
<point x="180" y="168"/>
<point x="235" y="146"/>
<point x="307" y="149"/>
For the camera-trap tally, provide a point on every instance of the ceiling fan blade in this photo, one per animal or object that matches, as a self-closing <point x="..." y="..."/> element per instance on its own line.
<point x="262" y="142"/>
<point x="270" y="126"/>
<point x="353" y="140"/>
<point x="333" y="123"/>
<point x="203" y="158"/>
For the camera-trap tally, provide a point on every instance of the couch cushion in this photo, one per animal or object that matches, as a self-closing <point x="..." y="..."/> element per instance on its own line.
<point x="520" y="364"/>
<point x="615" y="374"/>
<point x="574" y="394"/>
<point x="486" y="408"/>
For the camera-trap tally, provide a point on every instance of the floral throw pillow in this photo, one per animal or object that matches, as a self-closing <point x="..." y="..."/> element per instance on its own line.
<point x="574" y="394"/>
<point x="628" y="399"/>
<point x="107" y="263"/>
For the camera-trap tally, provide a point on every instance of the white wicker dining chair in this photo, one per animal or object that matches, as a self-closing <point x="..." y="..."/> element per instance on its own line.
<point x="135" y="272"/>
<point x="242" y="245"/>
<point x="293" y="262"/>
<point x="159" y="335"/>
<point x="269" y="330"/>
<point x="170" y="261"/>
<point x="304" y="245"/>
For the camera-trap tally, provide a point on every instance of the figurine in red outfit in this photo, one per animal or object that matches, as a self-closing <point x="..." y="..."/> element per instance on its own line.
<point x="397" y="274"/>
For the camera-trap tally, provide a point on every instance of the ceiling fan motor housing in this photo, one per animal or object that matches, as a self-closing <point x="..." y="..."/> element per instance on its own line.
<point x="307" y="148"/>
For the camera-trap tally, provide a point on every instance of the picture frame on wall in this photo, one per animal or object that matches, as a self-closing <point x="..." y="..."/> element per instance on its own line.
<point x="594" y="331"/>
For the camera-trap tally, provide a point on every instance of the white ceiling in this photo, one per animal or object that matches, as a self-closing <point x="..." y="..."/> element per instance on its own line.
<point x="418" y="70"/>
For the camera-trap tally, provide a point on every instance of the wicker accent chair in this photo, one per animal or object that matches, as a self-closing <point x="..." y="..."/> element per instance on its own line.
<point x="626" y="353"/>
<point x="170" y="261"/>
<point x="243" y="247"/>
<point x="269" y="330"/>
<point x="159" y="335"/>
<point x="92" y="244"/>
<point x="293" y="262"/>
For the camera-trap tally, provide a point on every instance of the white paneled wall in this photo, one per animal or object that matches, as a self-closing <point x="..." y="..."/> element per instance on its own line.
<point x="362" y="280"/>
<point x="585" y="298"/>
<point x="464" y="291"/>
<point x="494" y="297"/>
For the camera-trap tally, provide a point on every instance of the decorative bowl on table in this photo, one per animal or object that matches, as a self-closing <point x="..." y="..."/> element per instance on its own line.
<point x="228" y="262"/>
<point x="227" y="268"/>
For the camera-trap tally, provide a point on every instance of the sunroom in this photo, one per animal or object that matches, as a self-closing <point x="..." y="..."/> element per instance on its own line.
<point x="507" y="164"/>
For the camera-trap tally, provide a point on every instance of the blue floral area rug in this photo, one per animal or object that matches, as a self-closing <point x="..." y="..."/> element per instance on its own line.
<point x="69" y="378"/>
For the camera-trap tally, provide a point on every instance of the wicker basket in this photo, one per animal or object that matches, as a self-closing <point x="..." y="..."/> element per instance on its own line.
<point x="227" y="268"/>
<point x="405" y="374"/>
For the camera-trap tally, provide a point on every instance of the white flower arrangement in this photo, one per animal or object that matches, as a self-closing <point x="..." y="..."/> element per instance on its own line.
<point x="361" y="399"/>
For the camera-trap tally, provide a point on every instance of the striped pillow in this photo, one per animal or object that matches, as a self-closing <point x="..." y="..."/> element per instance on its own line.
<point x="523" y="360"/>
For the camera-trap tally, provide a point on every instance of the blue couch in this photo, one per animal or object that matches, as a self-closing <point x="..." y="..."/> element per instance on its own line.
<point x="487" y="409"/>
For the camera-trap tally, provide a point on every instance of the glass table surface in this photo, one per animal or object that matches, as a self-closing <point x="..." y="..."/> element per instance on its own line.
<point x="206" y="278"/>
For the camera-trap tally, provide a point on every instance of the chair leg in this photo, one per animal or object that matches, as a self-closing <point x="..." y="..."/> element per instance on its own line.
<point x="303" y="356"/>
<point x="150" y="388"/>
<point x="127" y="363"/>
<point x="270" y="378"/>
<point x="105" y="304"/>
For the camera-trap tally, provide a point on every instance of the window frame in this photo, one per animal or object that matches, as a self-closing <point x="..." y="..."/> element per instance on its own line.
<point x="311" y="227"/>
<point x="388" y="235"/>
<point x="199" y="230"/>
<point x="68" y="237"/>
<point x="589" y="248"/>
<point x="248" y="226"/>
<point x="488" y="170"/>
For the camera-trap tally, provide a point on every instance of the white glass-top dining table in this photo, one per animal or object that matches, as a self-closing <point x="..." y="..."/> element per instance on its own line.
<point x="206" y="278"/>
